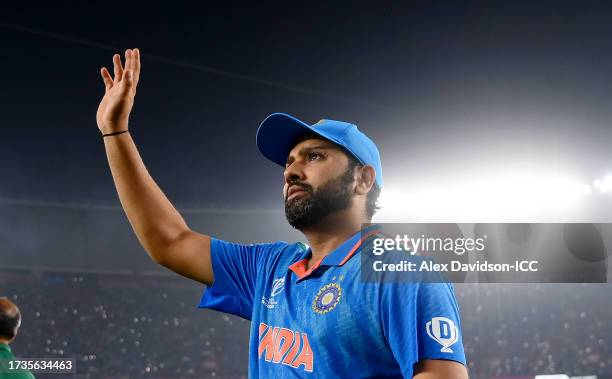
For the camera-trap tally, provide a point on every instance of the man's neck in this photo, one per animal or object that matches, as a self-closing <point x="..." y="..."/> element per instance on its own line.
<point x="3" y="341"/>
<point x="326" y="236"/>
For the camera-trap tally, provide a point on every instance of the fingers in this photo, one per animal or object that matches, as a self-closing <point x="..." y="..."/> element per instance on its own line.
<point x="136" y="66"/>
<point x="128" y="59"/>
<point x="106" y="77"/>
<point x="128" y="76"/>
<point x="127" y="82"/>
<point x="132" y="62"/>
<point x="118" y="68"/>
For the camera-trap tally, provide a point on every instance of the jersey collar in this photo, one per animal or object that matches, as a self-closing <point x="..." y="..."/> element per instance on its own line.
<point x="339" y="256"/>
<point x="345" y="251"/>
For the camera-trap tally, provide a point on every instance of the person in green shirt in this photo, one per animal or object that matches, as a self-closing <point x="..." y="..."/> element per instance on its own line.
<point x="10" y="320"/>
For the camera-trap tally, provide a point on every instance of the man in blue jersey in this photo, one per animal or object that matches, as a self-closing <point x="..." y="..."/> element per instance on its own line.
<point x="312" y="315"/>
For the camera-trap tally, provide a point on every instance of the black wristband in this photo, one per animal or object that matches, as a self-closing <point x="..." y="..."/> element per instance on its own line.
<point x="114" y="133"/>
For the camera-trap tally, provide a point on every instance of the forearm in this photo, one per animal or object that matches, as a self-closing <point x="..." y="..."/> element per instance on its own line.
<point x="154" y="219"/>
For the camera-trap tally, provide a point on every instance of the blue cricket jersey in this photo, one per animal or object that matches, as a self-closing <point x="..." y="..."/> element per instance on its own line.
<point x="327" y="322"/>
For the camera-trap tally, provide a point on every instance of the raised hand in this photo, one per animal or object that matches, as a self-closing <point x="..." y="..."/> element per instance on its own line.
<point x="114" y="109"/>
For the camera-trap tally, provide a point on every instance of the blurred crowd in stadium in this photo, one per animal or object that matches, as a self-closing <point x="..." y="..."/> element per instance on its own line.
<point x="148" y="326"/>
<point x="118" y="326"/>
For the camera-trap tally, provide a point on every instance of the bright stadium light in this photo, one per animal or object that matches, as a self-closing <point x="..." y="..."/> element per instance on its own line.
<point x="585" y="188"/>
<point x="597" y="184"/>
<point x="607" y="183"/>
<point x="510" y="195"/>
<point x="603" y="185"/>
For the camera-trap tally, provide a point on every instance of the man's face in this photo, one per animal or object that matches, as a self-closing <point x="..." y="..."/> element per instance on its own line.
<point x="317" y="182"/>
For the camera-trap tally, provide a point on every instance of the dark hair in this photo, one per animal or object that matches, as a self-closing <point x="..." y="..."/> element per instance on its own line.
<point x="10" y="318"/>
<point x="372" y="199"/>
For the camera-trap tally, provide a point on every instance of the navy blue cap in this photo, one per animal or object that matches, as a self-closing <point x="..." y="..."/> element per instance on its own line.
<point x="278" y="133"/>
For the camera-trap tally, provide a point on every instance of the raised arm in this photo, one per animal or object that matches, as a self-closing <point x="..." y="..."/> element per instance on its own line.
<point x="158" y="225"/>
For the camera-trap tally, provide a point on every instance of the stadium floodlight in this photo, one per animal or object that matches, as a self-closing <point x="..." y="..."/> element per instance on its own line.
<point x="607" y="183"/>
<point x="597" y="184"/>
<point x="603" y="185"/>
<point x="485" y="197"/>
<point x="585" y="189"/>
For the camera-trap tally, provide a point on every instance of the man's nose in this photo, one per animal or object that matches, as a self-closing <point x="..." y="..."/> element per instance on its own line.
<point x="294" y="172"/>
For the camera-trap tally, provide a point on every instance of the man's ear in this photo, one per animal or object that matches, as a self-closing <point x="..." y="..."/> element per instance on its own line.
<point x="366" y="175"/>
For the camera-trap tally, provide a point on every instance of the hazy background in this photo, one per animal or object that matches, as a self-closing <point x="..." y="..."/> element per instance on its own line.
<point x="482" y="111"/>
<point x="444" y="88"/>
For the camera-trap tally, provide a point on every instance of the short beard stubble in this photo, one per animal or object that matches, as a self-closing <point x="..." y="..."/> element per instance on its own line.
<point x="309" y="210"/>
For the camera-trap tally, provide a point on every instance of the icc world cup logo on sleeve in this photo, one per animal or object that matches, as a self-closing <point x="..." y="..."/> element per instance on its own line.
<point x="443" y="331"/>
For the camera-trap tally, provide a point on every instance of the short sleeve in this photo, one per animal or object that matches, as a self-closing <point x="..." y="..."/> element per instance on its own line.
<point x="421" y="321"/>
<point x="235" y="268"/>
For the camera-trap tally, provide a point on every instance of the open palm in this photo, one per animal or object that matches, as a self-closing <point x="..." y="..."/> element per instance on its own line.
<point x="114" y="109"/>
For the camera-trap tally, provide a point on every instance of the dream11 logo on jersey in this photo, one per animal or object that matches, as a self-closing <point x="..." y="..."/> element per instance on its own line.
<point x="443" y="331"/>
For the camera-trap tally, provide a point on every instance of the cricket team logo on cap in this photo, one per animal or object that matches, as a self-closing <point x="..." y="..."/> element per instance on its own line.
<point x="327" y="298"/>
<point x="443" y="331"/>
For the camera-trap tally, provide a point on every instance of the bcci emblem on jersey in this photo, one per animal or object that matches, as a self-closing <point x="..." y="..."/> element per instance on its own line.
<point x="327" y="298"/>
<point x="443" y="331"/>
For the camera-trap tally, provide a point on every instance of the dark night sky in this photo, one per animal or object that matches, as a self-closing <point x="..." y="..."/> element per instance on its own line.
<point x="438" y="85"/>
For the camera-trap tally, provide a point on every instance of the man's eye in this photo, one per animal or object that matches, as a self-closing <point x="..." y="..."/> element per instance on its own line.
<point x="313" y="156"/>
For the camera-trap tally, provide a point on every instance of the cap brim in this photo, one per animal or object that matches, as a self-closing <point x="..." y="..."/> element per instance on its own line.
<point x="277" y="134"/>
